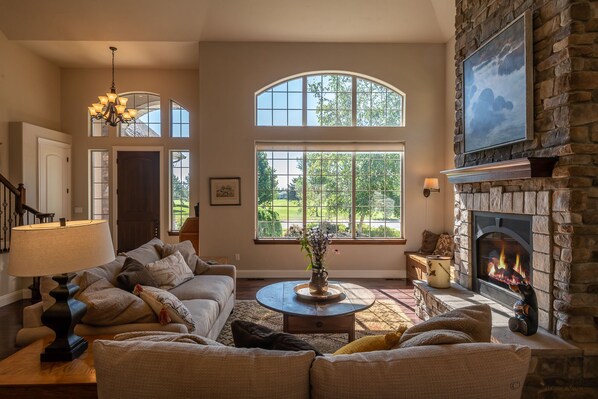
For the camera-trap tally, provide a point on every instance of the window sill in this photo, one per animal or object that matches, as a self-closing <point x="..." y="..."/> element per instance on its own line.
<point x="173" y="233"/>
<point x="338" y="241"/>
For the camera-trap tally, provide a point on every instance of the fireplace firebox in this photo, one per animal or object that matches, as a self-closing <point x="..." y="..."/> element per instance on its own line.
<point x="502" y="254"/>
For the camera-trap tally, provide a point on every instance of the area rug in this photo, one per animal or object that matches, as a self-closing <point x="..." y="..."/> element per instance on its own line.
<point x="384" y="316"/>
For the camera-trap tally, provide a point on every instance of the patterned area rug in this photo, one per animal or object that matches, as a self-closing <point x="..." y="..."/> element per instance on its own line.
<point x="384" y="316"/>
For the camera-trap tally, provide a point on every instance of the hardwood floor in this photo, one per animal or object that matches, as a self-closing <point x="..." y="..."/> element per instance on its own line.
<point x="11" y="316"/>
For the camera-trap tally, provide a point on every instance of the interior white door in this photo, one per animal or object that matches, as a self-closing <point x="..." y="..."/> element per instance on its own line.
<point x="54" y="172"/>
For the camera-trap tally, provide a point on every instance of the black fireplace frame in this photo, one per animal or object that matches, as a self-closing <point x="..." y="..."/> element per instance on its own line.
<point x="489" y="290"/>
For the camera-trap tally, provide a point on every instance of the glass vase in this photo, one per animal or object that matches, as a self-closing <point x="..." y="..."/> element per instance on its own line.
<point x="318" y="283"/>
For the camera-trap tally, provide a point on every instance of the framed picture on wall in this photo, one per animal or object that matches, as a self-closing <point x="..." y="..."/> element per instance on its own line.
<point x="497" y="89"/>
<point x="225" y="191"/>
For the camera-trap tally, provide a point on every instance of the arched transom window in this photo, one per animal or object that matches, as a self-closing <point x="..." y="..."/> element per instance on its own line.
<point x="330" y="99"/>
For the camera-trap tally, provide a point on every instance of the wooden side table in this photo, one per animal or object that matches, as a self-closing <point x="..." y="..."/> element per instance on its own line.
<point x="23" y="375"/>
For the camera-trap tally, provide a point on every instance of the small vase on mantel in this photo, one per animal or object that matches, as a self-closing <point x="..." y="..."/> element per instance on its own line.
<point x="318" y="283"/>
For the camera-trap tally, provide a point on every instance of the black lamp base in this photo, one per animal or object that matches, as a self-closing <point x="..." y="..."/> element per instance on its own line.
<point x="62" y="317"/>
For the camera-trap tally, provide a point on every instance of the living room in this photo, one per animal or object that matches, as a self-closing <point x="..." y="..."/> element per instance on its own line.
<point x="220" y="56"/>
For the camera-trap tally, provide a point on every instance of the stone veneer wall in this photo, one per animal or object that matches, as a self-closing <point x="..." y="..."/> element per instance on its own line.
<point x="484" y="197"/>
<point x="565" y="58"/>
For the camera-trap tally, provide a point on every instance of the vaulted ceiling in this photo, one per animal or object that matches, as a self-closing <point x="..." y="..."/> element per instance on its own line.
<point x="164" y="33"/>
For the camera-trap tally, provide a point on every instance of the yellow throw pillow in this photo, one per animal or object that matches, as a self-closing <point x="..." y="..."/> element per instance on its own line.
<point x="373" y="342"/>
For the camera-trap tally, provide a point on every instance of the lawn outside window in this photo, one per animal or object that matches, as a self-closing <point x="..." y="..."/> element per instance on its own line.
<point x="351" y="190"/>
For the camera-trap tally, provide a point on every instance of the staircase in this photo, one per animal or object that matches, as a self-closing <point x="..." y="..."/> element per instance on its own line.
<point x="14" y="211"/>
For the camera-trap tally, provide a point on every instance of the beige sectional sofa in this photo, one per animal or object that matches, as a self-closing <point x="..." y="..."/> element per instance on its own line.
<point x="210" y="298"/>
<point x="142" y="369"/>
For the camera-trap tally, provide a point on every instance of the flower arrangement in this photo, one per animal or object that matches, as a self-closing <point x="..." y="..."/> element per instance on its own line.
<point x="315" y="243"/>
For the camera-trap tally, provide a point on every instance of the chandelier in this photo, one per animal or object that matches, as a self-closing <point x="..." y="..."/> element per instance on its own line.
<point x="112" y="108"/>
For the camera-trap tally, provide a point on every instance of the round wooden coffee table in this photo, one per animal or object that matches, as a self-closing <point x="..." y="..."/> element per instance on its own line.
<point x="309" y="316"/>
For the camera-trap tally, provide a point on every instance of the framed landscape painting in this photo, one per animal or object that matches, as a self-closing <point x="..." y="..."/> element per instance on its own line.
<point x="225" y="191"/>
<point x="497" y="89"/>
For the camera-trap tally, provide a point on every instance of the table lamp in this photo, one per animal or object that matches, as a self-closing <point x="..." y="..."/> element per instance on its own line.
<point x="58" y="249"/>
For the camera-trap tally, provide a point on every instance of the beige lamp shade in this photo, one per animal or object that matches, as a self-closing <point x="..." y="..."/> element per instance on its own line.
<point x="49" y="248"/>
<point x="431" y="183"/>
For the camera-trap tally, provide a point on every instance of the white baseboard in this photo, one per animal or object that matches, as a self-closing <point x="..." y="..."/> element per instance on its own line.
<point x="14" y="297"/>
<point x="333" y="274"/>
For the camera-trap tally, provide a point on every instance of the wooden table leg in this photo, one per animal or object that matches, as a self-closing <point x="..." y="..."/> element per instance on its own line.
<point x="351" y="331"/>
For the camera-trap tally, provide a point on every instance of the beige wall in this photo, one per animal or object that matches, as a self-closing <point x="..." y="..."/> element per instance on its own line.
<point x="230" y="74"/>
<point x="449" y="193"/>
<point x="30" y="92"/>
<point x="80" y="87"/>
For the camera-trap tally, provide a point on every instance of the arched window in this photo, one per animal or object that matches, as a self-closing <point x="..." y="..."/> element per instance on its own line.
<point x="147" y="122"/>
<point x="330" y="99"/>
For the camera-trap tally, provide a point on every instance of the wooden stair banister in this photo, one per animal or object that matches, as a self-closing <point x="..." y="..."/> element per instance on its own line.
<point x="14" y="211"/>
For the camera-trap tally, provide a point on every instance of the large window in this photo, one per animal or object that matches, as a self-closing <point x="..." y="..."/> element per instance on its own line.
<point x="331" y="99"/>
<point x="100" y="189"/>
<point x="179" y="188"/>
<point x="147" y="123"/>
<point x="353" y="191"/>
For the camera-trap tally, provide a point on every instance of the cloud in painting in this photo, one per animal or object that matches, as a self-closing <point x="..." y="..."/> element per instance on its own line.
<point x="488" y="112"/>
<point x="511" y="59"/>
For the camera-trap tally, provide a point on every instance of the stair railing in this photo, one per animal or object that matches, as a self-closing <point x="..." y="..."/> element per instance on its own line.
<point x="14" y="211"/>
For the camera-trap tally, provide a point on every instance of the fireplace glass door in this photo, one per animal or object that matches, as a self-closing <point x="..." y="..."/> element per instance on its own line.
<point x="503" y="261"/>
<point x="502" y="254"/>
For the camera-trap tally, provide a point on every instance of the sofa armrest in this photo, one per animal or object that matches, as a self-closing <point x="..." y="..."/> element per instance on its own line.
<point x="226" y="270"/>
<point x="32" y="315"/>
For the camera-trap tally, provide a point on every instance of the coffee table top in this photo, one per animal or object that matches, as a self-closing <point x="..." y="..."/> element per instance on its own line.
<point x="281" y="297"/>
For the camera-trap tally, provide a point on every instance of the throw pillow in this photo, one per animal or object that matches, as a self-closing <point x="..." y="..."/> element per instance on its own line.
<point x="108" y="305"/>
<point x="475" y="321"/>
<point x="429" y="241"/>
<point x="444" y="246"/>
<point x="132" y="273"/>
<point x="373" y="342"/>
<point x="251" y="335"/>
<point x="170" y="271"/>
<point x="437" y="337"/>
<point x="166" y="306"/>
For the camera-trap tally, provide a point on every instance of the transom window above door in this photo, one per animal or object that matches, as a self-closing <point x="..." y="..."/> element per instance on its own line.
<point x="330" y="99"/>
<point x="147" y="123"/>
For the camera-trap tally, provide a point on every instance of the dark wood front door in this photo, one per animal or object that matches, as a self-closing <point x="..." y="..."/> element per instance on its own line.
<point x="138" y="191"/>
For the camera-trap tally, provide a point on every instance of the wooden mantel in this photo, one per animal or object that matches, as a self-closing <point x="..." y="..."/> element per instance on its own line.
<point x="522" y="168"/>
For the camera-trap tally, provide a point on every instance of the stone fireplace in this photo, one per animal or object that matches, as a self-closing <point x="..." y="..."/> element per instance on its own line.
<point x="489" y="217"/>
<point x="559" y="200"/>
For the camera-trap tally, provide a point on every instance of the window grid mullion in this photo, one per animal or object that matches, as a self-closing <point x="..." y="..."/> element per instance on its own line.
<point x="353" y="101"/>
<point x="304" y="100"/>
<point x="353" y="196"/>
<point x="304" y="190"/>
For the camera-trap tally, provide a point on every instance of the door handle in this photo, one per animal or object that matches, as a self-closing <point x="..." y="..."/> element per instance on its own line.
<point x="156" y="232"/>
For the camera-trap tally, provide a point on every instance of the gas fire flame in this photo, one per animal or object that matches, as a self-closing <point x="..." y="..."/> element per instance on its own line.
<point x="500" y="270"/>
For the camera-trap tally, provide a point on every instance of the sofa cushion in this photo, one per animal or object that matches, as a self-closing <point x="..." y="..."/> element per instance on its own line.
<point x="108" y="305"/>
<point x="438" y="337"/>
<point x="205" y="312"/>
<point x="186" y="249"/>
<point x="216" y="288"/>
<point x="147" y="252"/>
<point x="165" y="370"/>
<point x="133" y="273"/>
<point x="165" y="336"/>
<point x="166" y="306"/>
<point x="170" y="271"/>
<point x="475" y="321"/>
<point x="423" y="372"/>
<point x="247" y="334"/>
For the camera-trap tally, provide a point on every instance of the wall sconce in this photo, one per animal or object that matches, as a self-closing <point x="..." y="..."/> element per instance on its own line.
<point x="430" y="186"/>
